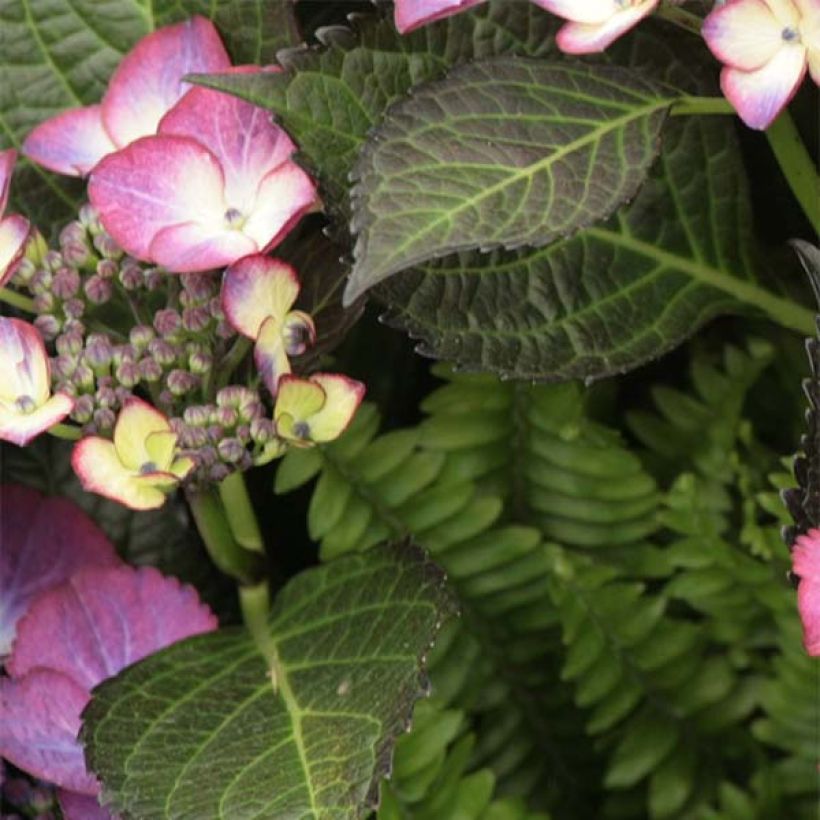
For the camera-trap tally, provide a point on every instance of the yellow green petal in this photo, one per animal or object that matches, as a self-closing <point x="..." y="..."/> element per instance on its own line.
<point x="136" y="422"/>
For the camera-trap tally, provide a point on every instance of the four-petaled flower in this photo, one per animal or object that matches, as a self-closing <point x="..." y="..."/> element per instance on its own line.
<point x="215" y="184"/>
<point x="411" y="14"/>
<point x="14" y="229"/>
<point x="766" y="46"/>
<point x="146" y="85"/>
<point x="139" y="466"/>
<point x="315" y="410"/>
<point x="806" y="565"/>
<point x="257" y="296"/>
<point x="27" y="407"/>
<point x="595" y="24"/>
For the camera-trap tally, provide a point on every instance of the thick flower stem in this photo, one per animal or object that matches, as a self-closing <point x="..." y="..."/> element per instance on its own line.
<point x="797" y="166"/>
<point x="240" y="514"/>
<point x="212" y="523"/>
<point x="17" y="300"/>
<point x="254" y="602"/>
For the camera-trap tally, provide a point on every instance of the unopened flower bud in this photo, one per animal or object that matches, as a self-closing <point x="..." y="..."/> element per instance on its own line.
<point x="150" y="370"/>
<point x="66" y="283"/>
<point x="124" y="353"/>
<point x="167" y="322"/>
<point x="197" y="415"/>
<point x="73" y="308"/>
<point x="48" y="325"/>
<point x="89" y="218"/>
<point x="200" y="363"/>
<point x="194" y="437"/>
<point x="40" y="282"/>
<point x="107" y="246"/>
<point x="162" y="352"/>
<point x="98" y="289"/>
<point x="224" y="330"/>
<point x="251" y="410"/>
<point x="74" y="326"/>
<point x="207" y="455"/>
<point x="141" y="336"/>
<point x="69" y="344"/>
<point x="262" y="430"/>
<point x="52" y="261"/>
<point x="154" y="278"/>
<point x="243" y="433"/>
<point x="104" y="419"/>
<point x="299" y="332"/>
<point x="107" y="268"/>
<point x="219" y="472"/>
<point x="230" y="450"/>
<point x="198" y="286"/>
<point x="83" y="410"/>
<point x="215" y="309"/>
<point x="83" y="377"/>
<point x="62" y="367"/>
<point x="215" y="433"/>
<point x="25" y="270"/>
<point x="122" y="393"/>
<point x="180" y="382"/>
<point x="231" y="396"/>
<point x="195" y="319"/>
<point x="225" y="416"/>
<point x="128" y="374"/>
<point x="130" y="275"/>
<point x="98" y="354"/>
<point x="44" y="302"/>
<point x="76" y="255"/>
<point x="36" y="248"/>
<point x="106" y="397"/>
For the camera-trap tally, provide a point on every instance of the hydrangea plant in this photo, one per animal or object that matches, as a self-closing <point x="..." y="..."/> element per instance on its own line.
<point x="566" y="538"/>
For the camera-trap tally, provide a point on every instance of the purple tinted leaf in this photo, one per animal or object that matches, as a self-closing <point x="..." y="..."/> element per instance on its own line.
<point x="44" y="541"/>
<point x="76" y="806"/>
<point x="103" y="620"/>
<point x="39" y="723"/>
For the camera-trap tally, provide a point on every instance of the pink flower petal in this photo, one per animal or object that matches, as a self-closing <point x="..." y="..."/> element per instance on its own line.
<point x="743" y="34"/>
<point x="587" y="11"/>
<point x="257" y="288"/>
<point x="242" y="136"/>
<point x="192" y="247"/>
<point x="284" y="196"/>
<point x="45" y="539"/>
<point x="76" y="806"/>
<point x="148" y="82"/>
<point x="24" y="366"/>
<point x="587" y="38"/>
<point x="343" y="396"/>
<point x="410" y="14"/>
<point x="21" y="428"/>
<point x="759" y="96"/>
<point x="14" y="231"/>
<point x="39" y="723"/>
<point x="7" y="160"/>
<point x="71" y="142"/>
<point x="102" y="620"/>
<point x="156" y="183"/>
<point x="806" y="565"/>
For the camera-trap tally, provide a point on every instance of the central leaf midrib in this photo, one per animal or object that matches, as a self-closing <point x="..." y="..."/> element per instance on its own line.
<point x="520" y="174"/>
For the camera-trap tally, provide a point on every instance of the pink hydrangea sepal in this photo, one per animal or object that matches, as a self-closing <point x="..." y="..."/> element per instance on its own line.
<point x="411" y="14"/>
<point x="589" y="38"/>
<point x="76" y="806"/>
<point x="7" y="160"/>
<point x="743" y="34"/>
<point x="14" y="233"/>
<point x="806" y="565"/>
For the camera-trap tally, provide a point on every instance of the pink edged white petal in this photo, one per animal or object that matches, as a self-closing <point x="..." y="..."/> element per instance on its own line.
<point x="192" y="247"/>
<point x="22" y="428"/>
<point x="136" y="422"/>
<point x="242" y="136"/>
<point x="39" y="723"/>
<point x="76" y="806"/>
<point x="24" y="367"/>
<point x="587" y="11"/>
<point x="342" y="398"/>
<point x="97" y="465"/>
<point x="284" y="196"/>
<point x="586" y="38"/>
<point x="148" y="82"/>
<point x="255" y="289"/>
<point x="156" y="183"/>
<point x="410" y="14"/>
<point x="14" y="232"/>
<point x="759" y="96"/>
<point x="45" y="539"/>
<point x="743" y="34"/>
<point x="134" y="612"/>
<point x="269" y="354"/>
<point x="71" y="142"/>
<point x="7" y="160"/>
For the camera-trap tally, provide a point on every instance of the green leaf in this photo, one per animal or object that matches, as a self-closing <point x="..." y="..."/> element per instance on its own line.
<point x="329" y="97"/>
<point x="198" y="730"/>
<point x="501" y="153"/>
<point x="59" y="54"/>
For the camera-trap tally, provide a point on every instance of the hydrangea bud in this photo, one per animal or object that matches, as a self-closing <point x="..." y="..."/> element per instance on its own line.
<point x="141" y="336"/>
<point x="74" y="308"/>
<point x="77" y="255"/>
<point x="243" y="433"/>
<point x="219" y="472"/>
<point x="107" y="247"/>
<point x="52" y="261"/>
<point x="215" y="433"/>
<point x="74" y="326"/>
<point x="25" y="270"/>
<point x="131" y="276"/>
<point x="198" y="286"/>
<point x="224" y="330"/>
<point x="200" y="363"/>
<point x="207" y="455"/>
<point x="62" y="367"/>
<point x="167" y="323"/>
<point x="194" y="437"/>
<point x="262" y="430"/>
<point x="197" y="415"/>
<point x="83" y="411"/>
<point x="225" y="416"/>
<point x="98" y="353"/>
<point x="99" y="290"/>
<point x="164" y="353"/>
<point x="251" y="410"/>
<point x="215" y="309"/>
<point x="40" y="281"/>
<point x="150" y="370"/>
<point x="44" y="302"/>
<point x="48" y="325"/>
<point x="83" y="376"/>
<point x="89" y="218"/>
<point x="180" y="382"/>
<point x="104" y="419"/>
<point x="122" y="393"/>
<point x="128" y="374"/>
<point x="74" y="232"/>
<point x="106" y="397"/>
<point x="69" y="344"/>
<point x="124" y="353"/>
<point x="195" y="319"/>
<point x="230" y="450"/>
<point x="66" y="283"/>
<point x="107" y="268"/>
<point x="154" y="278"/>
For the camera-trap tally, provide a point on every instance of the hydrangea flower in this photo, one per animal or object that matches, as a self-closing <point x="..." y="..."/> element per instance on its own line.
<point x="766" y="46"/>
<point x="73" y="637"/>
<point x="14" y="229"/>
<point x="257" y="296"/>
<point x="315" y="410"/>
<point x="806" y="565"/>
<point x="411" y="14"/>
<point x="147" y="84"/>
<point x="595" y="24"/>
<point x="27" y="407"/>
<point x="44" y="541"/>
<point x="216" y="183"/>
<point x="139" y="466"/>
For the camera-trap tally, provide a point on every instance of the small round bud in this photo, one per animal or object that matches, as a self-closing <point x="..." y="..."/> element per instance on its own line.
<point x="251" y="410"/>
<point x="83" y="377"/>
<point x="98" y="353"/>
<point x="150" y="370"/>
<point x="48" y="325"/>
<point x="40" y="282"/>
<point x="154" y="278"/>
<point x="141" y="336"/>
<point x="66" y="283"/>
<point x="230" y="396"/>
<point x="74" y="326"/>
<point x="219" y="472"/>
<point x="230" y="450"/>
<point x="199" y="286"/>
<point x="122" y="393"/>
<point x="25" y="270"/>
<point x="52" y="261"/>
<point x="195" y="319"/>
<point x="215" y="433"/>
<point x="200" y="363"/>
<point x="106" y="397"/>
<point x="225" y="416"/>
<point x="44" y="302"/>
<point x="194" y="437"/>
<point x="167" y="322"/>
<point x="107" y="247"/>
<point x="74" y="308"/>
<point x="76" y="255"/>
<point x="83" y="410"/>
<point x="104" y="419"/>
<point x="124" y="353"/>
<point x="197" y="415"/>
<point x="215" y="309"/>
<point x="299" y="333"/>
<point x="69" y="344"/>
<point x="262" y="430"/>
<point x="224" y="330"/>
<point x="166" y="398"/>
<point x="130" y="275"/>
<point x="180" y="382"/>
<point x="63" y="367"/>
<point x="73" y="232"/>
<point x="128" y="374"/>
<point x="89" y="218"/>
<point x="243" y="433"/>
<point x="162" y="352"/>
<point x="107" y="268"/>
<point x="98" y="289"/>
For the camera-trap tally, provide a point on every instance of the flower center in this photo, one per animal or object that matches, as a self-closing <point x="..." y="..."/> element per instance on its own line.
<point x="235" y="219"/>
<point x="148" y="467"/>
<point x="25" y="404"/>
<point x="301" y="429"/>
<point x="790" y="35"/>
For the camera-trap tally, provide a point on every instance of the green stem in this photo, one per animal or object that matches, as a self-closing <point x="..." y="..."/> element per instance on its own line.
<point x="231" y="361"/>
<point x="17" y="300"/>
<point x="254" y="601"/>
<point x="212" y="523"/>
<point x="65" y="431"/>
<point x="239" y="510"/>
<point x="687" y="106"/>
<point x="683" y="19"/>
<point x="797" y="166"/>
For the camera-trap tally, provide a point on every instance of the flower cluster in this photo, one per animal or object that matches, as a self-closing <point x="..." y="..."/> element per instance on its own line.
<point x="72" y="614"/>
<point x="147" y="339"/>
<point x="766" y="45"/>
